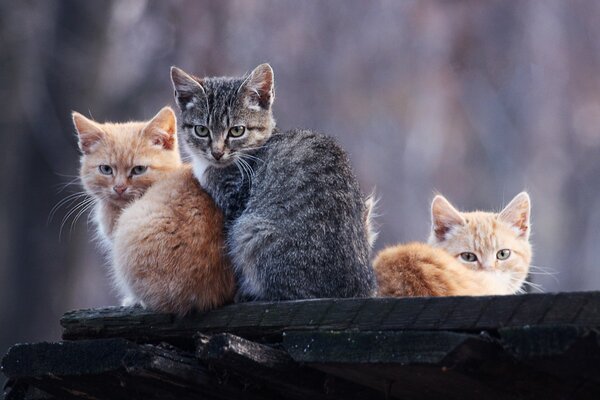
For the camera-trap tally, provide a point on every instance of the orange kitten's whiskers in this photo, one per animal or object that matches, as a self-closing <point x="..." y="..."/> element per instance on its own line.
<point x="534" y="286"/>
<point x="76" y="211"/>
<point x="73" y="182"/>
<point x="67" y="201"/>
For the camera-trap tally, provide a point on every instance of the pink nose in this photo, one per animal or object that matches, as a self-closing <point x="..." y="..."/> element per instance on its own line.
<point x="217" y="154"/>
<point x="120" y="189"/>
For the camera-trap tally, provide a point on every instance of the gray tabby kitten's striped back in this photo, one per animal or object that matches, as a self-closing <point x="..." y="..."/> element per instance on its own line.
<point x="294" y="211"/>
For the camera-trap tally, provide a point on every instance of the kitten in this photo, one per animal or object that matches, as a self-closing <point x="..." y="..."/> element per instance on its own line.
<point x="469" y="253"/>
<point x="162" y="231"/>
<point x="294" y="214"/>
<point x="120" y="161"/>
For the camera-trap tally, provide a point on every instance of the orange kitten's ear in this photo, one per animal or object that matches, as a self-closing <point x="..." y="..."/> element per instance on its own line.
<point x="258" y="88"/>
<point x="88" y="132"/>
<point x="162" y="129"/>
<point x="187" y="88"/>
<point x="444" y="217"/>
<point x="517" y="214"/>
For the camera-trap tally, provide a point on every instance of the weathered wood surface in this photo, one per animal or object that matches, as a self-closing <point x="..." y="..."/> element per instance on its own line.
<point x="112" y="369"/>
<point x="224" y="367"/>
<point x="261" y="364"/>
<point x="550" y="362"/>
<point x="523" y="347"/>
<point x="255" y="320"/>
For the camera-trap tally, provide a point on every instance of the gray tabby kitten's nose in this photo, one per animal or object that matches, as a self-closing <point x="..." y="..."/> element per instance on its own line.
<point x="216" y="154"/>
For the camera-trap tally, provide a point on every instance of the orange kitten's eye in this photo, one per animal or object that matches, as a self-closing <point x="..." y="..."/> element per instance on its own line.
<point x="105" y="169"/>
<point x="201" y="131"/>
<point x="503" y="254"/>
<point x="237" y="131"/>
<point x="468" y="257"/>
<point x="138" y="169"/>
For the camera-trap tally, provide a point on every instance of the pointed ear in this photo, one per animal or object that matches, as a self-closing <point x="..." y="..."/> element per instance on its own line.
<point x="187" y="87"/>
<point x="258" y="89"/>
<point x="444" y="217"/>
<point x="88" y="132"/>
<point x="162" y="129"/>
<point x="517" y="214"/>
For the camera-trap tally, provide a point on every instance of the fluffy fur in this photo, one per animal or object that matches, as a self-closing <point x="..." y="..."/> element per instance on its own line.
<point x="463" y="256"/>
<point x="163" y="233"/>
<point x="169" y="251"/>
<point x="295" y="217"/>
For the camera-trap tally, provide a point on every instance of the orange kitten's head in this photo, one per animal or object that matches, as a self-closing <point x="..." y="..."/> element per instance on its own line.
<point x="484" y="241"/>
<point x="121" y="160"/>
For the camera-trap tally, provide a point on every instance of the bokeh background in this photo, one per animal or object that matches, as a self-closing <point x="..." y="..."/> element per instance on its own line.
<point x="475" y="99"/>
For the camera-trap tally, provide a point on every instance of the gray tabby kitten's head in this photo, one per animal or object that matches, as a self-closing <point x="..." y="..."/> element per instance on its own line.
<point x="223" y="117"/>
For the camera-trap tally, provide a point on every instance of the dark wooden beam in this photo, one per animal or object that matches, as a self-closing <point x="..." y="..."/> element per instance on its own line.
<point x="546" y="362"/>
<point x="269" y="320"/>
<point x="117" y="369"/>
<point x="261" y="364"/>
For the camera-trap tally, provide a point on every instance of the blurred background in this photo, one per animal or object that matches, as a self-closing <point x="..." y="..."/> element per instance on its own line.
<point x="476" y="100"/>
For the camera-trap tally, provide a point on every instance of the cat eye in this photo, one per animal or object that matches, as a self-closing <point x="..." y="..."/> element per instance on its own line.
<point x="503" y="254"/>
<point x="237" y="131"/>
<point x="105" y="169"/>
<point x="139" y="169"/>
<point x="201" y="131"/>
<point x="468" y="257"/>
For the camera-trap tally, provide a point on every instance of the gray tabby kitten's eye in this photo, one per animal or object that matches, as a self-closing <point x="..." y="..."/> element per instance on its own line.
<point x="105" y="169"/>
<point x="237" y="131"/>
<point x="201" y="131"/>
<point x="138" y="169"/>
<point x="503" y="254"/>
<point x="468" y="257"/>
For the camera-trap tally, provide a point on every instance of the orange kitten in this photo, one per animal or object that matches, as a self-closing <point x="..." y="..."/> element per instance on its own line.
<point x="120" y="161"/>
<point x="470" y="253"/>
<point x="164" y="233"/>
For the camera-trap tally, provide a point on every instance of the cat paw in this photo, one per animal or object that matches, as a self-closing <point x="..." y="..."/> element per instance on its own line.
<point x="132" y="302"/>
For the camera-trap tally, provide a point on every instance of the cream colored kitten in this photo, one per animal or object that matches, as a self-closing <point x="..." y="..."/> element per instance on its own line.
<point x="469" y="253"/>
<point x="120" y="161"/>
<point x="163" y="233"/>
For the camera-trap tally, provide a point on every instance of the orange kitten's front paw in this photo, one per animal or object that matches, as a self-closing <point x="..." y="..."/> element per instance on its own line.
<point x="132" y="302"/>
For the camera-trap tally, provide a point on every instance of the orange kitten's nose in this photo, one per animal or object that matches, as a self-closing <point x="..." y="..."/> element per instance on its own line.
<point x="120" y="189"/>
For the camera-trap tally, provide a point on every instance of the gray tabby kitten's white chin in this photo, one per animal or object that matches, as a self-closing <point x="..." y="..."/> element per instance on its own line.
<point x="199" y="167"/>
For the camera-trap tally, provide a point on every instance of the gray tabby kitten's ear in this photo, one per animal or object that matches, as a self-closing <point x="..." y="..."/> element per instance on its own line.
<point x="88" y="132"/>
<point x="444" y="217"/>
<point x="517" y="214"/>
<point x="258" y="90"/>
<point x="187" y="88"/>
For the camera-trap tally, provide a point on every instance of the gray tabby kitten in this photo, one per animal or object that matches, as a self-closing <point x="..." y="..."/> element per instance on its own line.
<point x="294" y="212"/>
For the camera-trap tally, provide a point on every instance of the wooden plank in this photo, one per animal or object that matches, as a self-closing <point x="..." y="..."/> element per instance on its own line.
<point x="117" y="369"/>
<point x="17" y="390"/>
<point x="562" y="351"/>
<point x="564" y="305"/>
<point x="404" y="348"/>
<point x="434" y="364"/>
<point x="262" y="364"/>
<point x="255" y="320"/>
